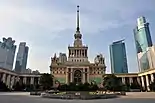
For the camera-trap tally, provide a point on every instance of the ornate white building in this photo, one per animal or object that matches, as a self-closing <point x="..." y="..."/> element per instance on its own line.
<point x="77" y="68"/>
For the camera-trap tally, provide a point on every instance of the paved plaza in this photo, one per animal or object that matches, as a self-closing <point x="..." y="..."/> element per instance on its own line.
<point x="26" y="98"/>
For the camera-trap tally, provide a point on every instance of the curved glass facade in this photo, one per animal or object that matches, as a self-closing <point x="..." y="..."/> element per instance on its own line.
<point x="142" y="35"/>
<point x="143" y="41"/>
<point x="144" y="62"/>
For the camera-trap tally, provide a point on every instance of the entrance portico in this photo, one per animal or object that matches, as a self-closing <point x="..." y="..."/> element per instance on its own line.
<point x="77" y="74"/>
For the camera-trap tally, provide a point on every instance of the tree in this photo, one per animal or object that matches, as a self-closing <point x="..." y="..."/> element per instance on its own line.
<point x="111" y="82"/>
<point x="134" y="86"/>
<point x="78" y="87"/>
<point x="3" y="86"/>
<point x="46" y="81"/>
<point x="19" y="86"/>
<point x="152" y="86"/>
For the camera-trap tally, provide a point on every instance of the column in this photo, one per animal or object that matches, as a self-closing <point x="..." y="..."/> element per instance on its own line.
<point x="130" y="80"/>
<point x="4" y="78"/>
<point x="71" y="78"/>
<point x="152" y="77"/>
<point x="12" y="81"/>
<point x="8" y="81"/>
<point x="123" y="80"/>
<point x="66" y="75"/>
<point x="147" y="83"/>
<point x="142" y="79"/>
<point x="32" y="80"/>
<point x="24" y="80"/>
<point x="84" y="53"/>
<point x="75" y="53"/>
<point x="88" y="75"/>
<point x="83" y="73"/>
<point x="138" y="81"/>
<point x="38" y="80"/>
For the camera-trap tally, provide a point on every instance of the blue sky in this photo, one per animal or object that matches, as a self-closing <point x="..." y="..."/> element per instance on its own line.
<point x="48" y="26"/>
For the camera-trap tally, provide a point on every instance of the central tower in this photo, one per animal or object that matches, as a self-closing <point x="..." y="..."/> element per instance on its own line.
<point x="77" y="68"/>
<point x="78" y="52"/>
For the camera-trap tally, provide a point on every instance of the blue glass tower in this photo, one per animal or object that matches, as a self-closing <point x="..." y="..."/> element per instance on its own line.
<point x="142" y="35"/>
<point x="118" y="57"/>
<point x="143" y="40"/>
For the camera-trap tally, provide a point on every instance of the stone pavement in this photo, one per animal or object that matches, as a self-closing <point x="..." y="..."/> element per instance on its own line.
<point x="139" y="95"/>
<point x="15" y="93"/>
<point x="128" y="94"/>
<point x="32" y="99"/>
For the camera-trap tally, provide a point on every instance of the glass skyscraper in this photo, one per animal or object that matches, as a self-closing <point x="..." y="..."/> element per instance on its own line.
<point x="118" y="57"/>
<point x="7" y="53"/>
<point x="21" y="59"/>
<point x="142" y="35"/>
<point x="143" y="41"/>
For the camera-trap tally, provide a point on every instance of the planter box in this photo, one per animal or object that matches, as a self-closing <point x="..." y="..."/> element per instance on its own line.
<point x="135" y="90"/>
<point x="35" y="93"/>
<point x="123" y="93"/>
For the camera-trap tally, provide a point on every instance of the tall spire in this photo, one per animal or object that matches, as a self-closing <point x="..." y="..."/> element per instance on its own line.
<point x="78" y="26"/>
<point x="77" y="34"/>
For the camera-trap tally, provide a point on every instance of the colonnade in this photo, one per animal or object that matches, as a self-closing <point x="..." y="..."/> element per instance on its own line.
<point x="143" y="79"/>
<point x="78" y="53"/>
<point x="10" y="78"/>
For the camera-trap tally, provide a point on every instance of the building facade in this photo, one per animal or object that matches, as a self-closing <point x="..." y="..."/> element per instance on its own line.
<point x="21" y="59"/>
<point x="77" y="68"/>
<point x="118" y="57"/>
<point x="146" y="59"/>
<point x="7" y="53"/>
<point x="143" y="42"/>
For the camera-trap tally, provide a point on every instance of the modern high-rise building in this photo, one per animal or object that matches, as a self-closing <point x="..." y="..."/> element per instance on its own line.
<point x="142" y="35"/>
<point x="7" y="53"/>
<point x="21" y="59"/>
<point x="143" y="41"/>
<point x="118" y="57"/>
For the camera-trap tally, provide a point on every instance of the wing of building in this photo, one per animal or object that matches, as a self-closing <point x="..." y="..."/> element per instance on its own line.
<point x="77" y="68"/>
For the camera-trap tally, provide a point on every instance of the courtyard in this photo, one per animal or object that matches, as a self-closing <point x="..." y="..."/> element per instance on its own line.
<point x="24" y="97"/>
